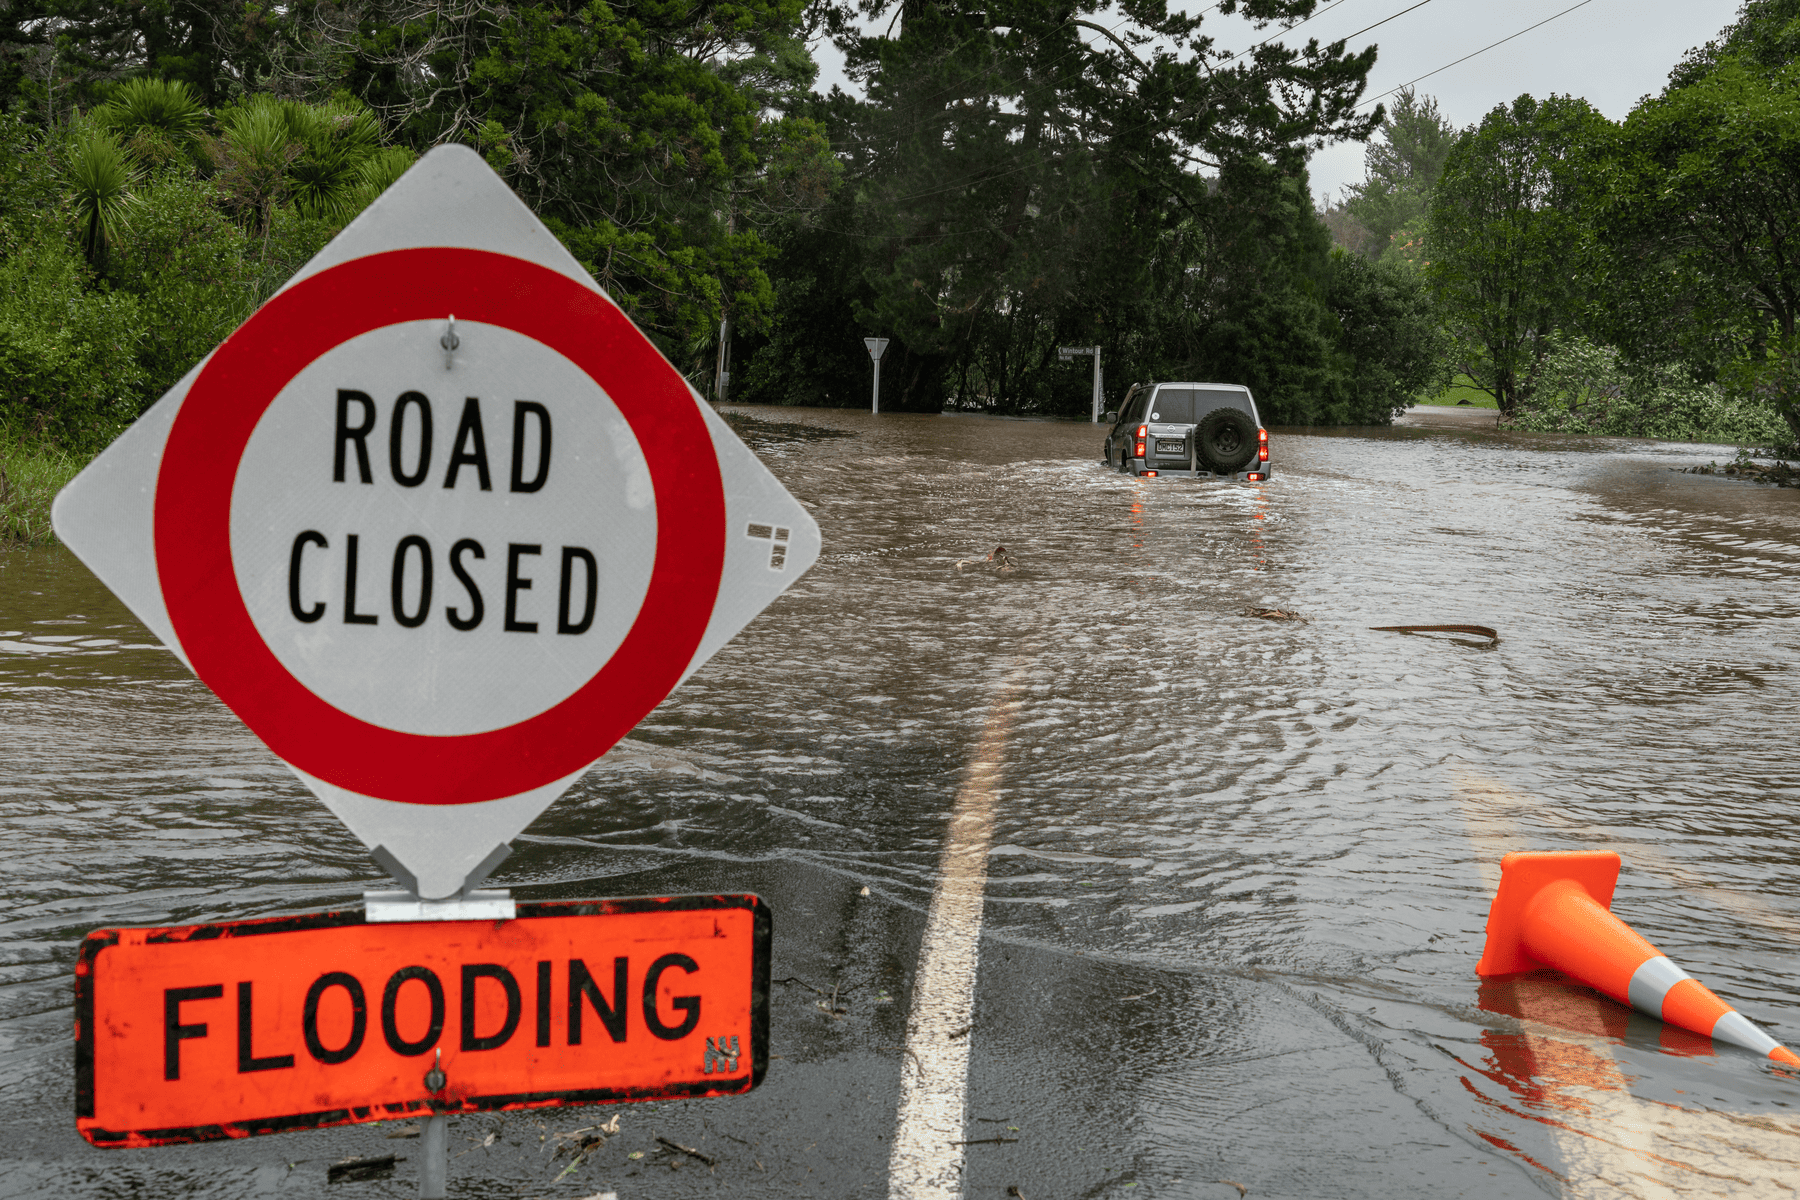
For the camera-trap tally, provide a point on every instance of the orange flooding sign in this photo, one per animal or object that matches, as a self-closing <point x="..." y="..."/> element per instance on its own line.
<point x="199" y="1032"/>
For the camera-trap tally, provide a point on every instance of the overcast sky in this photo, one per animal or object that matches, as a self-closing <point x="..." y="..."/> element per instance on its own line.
<point x="1610" y="51"/>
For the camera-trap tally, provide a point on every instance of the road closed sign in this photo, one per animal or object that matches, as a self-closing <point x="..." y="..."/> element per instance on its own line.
<point x="203" y="1032"/>
<point x="438" y="522"/>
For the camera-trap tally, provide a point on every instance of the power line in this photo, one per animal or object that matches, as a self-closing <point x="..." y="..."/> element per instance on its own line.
<point x="1465" y="58"/>
<point x="1383" y="21"/>
<point x="1289" y="29"/>
<point x="1322" y="12"/>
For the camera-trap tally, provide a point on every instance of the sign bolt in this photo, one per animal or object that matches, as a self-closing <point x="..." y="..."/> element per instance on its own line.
<point x="435" y="1079"/>
<point x="449" y="341"/>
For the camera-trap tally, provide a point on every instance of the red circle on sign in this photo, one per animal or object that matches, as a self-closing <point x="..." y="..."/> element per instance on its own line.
<point x="243" y="377"/>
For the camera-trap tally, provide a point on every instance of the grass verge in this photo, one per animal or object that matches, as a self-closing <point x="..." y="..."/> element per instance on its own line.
<point x="31" y="473"/>
<point x="1461" y="388"/>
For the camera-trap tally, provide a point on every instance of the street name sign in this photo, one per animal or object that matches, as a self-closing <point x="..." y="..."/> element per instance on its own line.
<point x="203" y="1032"/>
<point x="438" y="523"/>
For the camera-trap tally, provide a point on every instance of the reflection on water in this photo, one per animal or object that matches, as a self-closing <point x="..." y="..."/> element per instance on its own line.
<point x="1283" y="808"/>
<point x="1560" y="1077"/>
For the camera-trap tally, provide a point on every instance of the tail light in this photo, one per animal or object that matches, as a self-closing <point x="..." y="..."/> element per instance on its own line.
<point x="1262" y="445"/>
<point x="1254" y="477"/>
<point x="1142" y="433"/>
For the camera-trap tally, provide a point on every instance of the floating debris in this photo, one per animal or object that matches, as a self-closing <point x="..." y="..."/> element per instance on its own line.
<point x="832" y="1006"/>
<point x="361" y="1170"/>
<point x="1475" y="630"/>
<point x="1273" y="614"/>
<point x="1776" y="474"/>
<point x="708" y="1159"/>
<point x="998" y="559"/>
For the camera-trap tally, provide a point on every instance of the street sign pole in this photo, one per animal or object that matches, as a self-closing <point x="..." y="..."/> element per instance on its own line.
<point x="877" y="347"/>
<point x="434" y="1139"/>
<point x="1096" y="385"/>
<point x="434" y="1161"/>
<point x="722" y="375"/>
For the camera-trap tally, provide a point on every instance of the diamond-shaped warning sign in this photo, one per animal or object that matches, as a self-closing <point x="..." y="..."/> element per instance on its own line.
<point x="437" y="522"/>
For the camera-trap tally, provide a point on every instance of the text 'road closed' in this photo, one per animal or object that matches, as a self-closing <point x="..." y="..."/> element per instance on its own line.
<point x="404" y="579"/>
<point x="262" y="1025"/>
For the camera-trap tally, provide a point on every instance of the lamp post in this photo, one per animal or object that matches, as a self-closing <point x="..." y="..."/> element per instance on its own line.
<point x="877" y="346"/>
<point x="1065" y="353"/>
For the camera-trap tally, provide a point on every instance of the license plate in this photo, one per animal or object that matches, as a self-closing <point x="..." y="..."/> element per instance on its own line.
<point x="1171" y="447"/>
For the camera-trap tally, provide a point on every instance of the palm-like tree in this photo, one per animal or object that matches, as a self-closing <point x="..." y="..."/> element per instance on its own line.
<point x="100" y="178"/>
<point x="252" y="153"/>
<point x="379" y="172"/>
<point x="157" y="120"/>
<point x="326" y="160"/>
<point x="337" y="141"/>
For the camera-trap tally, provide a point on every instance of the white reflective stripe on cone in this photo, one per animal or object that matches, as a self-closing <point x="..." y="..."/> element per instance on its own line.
<point x="1652" y="981"/>
<point x="1736" y="1028"/>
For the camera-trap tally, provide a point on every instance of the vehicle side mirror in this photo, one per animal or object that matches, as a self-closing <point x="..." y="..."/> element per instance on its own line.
<point x="1109" y="417"/>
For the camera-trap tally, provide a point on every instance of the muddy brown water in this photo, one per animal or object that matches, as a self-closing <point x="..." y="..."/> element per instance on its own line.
<point x="1299" y="817"/>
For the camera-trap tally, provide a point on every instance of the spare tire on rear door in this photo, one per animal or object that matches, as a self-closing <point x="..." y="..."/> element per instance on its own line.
<point x="1226" y="439"/>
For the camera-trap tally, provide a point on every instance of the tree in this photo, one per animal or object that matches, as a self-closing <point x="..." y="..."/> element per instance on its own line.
<point x="1765" y="37"/>
<point x="218" y="48"/>
<point x="68" y="373"/>
<point x="1346" y="230"/>
<point x="1018" y="169"/>
<point x="157" y="119"/>
<point x="1238" y="295"/>
<point x="1507" y="234"/>
<point x="100" y="179"/>
<point x="653" y="138"/>
<point x="1390" y="345"/>
<point x="1701" y="214"/>
<point x="1401" y="167"/>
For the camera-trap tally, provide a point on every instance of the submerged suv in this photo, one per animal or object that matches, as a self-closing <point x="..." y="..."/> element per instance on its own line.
<point x="1208" y="430"/>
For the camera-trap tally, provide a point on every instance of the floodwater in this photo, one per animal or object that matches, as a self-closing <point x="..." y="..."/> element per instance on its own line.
<point x="1290" y="829"/>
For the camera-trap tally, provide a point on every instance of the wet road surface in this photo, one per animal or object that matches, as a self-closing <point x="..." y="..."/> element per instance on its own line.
<point x="1161" y="899"/>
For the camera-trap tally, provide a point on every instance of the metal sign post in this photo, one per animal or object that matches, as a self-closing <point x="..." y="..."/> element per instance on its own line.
<point x="722" y="375"/>
<point x="1066" y="353"/>
<point x="877" y="347"/>
<point x="439" y="565"/>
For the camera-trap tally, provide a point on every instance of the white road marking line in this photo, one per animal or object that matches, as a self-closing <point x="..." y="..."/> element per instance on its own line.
<point x="1610" y="1143"/>
<point x="926" y="1161"/>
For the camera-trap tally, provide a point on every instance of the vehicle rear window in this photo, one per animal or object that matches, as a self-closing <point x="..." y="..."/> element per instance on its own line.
<point x="1185" y="406"/>
<point x="1174" y="404"/>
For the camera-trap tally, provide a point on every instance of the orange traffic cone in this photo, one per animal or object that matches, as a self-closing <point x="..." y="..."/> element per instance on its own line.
<point x="1553" y="910"/>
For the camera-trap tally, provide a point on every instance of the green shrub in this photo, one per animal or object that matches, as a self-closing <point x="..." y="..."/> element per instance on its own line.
<point x="1587" y="389"/>
<point x="69" y="372"/>
<point x="189" y="266"/>
<point x="1770" y="375"/>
